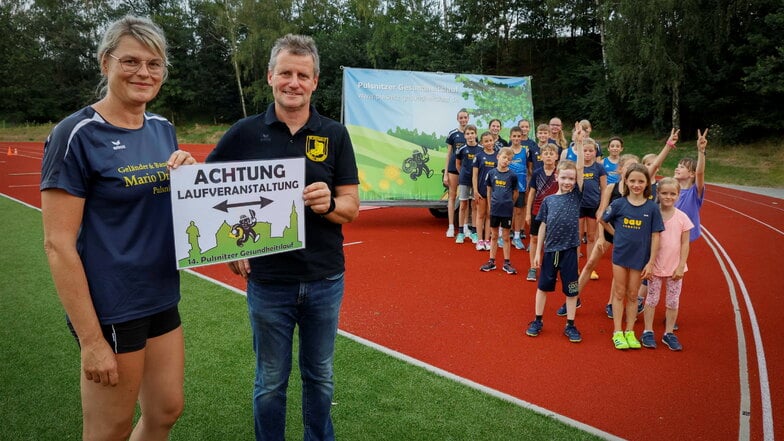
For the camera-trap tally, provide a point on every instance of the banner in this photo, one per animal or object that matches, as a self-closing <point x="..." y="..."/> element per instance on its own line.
<point x="399" y="122"/>
<point x="227" y="211"/>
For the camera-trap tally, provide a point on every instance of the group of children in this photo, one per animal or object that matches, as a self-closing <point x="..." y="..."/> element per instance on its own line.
<point x="568" y="197"/>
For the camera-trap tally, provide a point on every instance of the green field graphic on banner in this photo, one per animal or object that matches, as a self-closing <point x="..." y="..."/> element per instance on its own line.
<point x="399" y="122"/>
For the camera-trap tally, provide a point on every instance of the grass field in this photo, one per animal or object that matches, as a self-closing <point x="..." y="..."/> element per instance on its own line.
<point x="377" y="397"/>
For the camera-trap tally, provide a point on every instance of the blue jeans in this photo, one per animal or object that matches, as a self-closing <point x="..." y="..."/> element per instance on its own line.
<point x="274" y="309"/>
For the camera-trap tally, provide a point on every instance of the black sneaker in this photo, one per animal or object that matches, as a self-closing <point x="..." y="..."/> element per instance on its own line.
<point x="489" y="266"/>
<point x="509" y="268"/>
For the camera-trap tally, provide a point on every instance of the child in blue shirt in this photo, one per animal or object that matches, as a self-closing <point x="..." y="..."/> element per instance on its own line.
<point x="635" y="223"/>
<point x="559" y="239"/>
<point x="610" y="162"/>
<point x="519" y="166"/>
<point x="484" y="161"/>
<point x="464" y="162"/>
<point x="502" y="192"/>
<point x="690" y="174"/>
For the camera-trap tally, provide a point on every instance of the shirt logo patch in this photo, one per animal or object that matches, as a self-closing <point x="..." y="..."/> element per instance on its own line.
<point x="317" y="148"/>
<point x="117" y="145"/>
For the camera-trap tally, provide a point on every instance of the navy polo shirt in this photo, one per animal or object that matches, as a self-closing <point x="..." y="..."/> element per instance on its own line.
<point x="264" y="136"/>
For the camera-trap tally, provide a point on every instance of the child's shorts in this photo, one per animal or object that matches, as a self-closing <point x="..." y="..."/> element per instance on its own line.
<point x="520" y="202"/>
<point x="588" y="212"/>
<point x="564" y="262"/>
<point x="502" y="221"/>
<point x="465" y="192"/>
<point x="535" y="224"/>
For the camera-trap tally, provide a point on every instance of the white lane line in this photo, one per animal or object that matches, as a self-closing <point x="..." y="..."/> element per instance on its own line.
<point x="19" y="201"/>
<point x="440" y="372"/>
<point x="743" y="365"/>
<point x="24" y="174"/>
<point x="774" y="205"/>
<point x="747" y="216"/>
<point x="481" y="388"/>
<point x="767" y="407"/>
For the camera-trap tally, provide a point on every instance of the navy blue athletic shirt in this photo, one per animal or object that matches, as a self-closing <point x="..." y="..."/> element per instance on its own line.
<point x="126" y="240"/>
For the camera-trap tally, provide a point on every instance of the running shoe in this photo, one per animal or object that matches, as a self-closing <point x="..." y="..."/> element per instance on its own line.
<point x="594" y="275"/>
<point x="531" y="277"/>
<point x="672" y="342"/>
<point x="640" y="305"/>
<point x="474" y="238"/>
<point x="509" y="268"/>
<point x="562" y="310"/>
<point x="648" y="340"/>
<point x="487" y="245"/>
<point x="480" y="245"/>
<point x="608" y="310"/>
<point x="500" y="242"/>
<point x="450" y="232"/>
<point x="631" y="340"/>
<point x="534" y="328"/>
<point x="619" y="340"/>
<point x="489" y="266"/>
<point x="573" y="334"/>
<point x="518" y="243"/>
<point x="460" y="238"/>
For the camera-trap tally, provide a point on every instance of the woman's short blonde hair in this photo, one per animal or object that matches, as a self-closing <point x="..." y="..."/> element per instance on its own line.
<point x="143" y="30"/>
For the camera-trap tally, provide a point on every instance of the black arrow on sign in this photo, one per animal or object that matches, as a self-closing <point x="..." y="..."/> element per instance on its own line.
<point x="225" y="205"/>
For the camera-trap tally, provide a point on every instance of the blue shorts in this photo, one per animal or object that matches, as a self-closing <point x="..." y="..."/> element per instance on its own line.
<point x="564" y="262"/>
<point x="132" y="335"/>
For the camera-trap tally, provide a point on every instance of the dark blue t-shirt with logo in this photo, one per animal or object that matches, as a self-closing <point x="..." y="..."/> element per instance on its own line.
<point x="633" y="228"/>
<point x="503" y="185"/>
<point x="126" y="240"/>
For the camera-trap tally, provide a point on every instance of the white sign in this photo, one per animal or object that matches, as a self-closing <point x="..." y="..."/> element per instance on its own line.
<point x="226" y="211"/>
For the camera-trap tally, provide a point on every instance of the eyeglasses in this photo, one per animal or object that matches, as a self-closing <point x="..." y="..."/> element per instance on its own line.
<point x="132" y="65"/>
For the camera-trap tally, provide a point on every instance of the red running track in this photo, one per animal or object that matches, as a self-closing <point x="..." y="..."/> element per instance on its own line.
<point x="414" y="291"/>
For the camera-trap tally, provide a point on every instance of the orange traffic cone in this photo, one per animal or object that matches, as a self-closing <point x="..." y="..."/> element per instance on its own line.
<point x="10" y="153"/>
<point x="16" y="152"/>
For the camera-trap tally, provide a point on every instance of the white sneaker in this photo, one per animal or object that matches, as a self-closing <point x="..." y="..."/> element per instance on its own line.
<point x="450" y="232"/>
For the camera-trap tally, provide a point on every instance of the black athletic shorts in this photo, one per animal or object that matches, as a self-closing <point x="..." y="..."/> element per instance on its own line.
<point x="132" y="335"/>
<point x="503" y="222"/>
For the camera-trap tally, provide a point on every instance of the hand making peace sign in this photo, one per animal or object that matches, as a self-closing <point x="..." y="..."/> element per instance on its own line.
<point x="702" y="140"/>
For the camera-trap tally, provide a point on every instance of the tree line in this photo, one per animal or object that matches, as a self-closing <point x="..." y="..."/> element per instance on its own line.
<point x="623" y="64"/>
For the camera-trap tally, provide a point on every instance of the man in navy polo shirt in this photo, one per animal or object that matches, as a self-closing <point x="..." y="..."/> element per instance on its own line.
<point x="304" y="287"/>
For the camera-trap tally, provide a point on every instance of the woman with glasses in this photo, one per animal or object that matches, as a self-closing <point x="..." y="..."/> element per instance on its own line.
<point x="556" y="134"/>
<point x="109" y="240"/>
